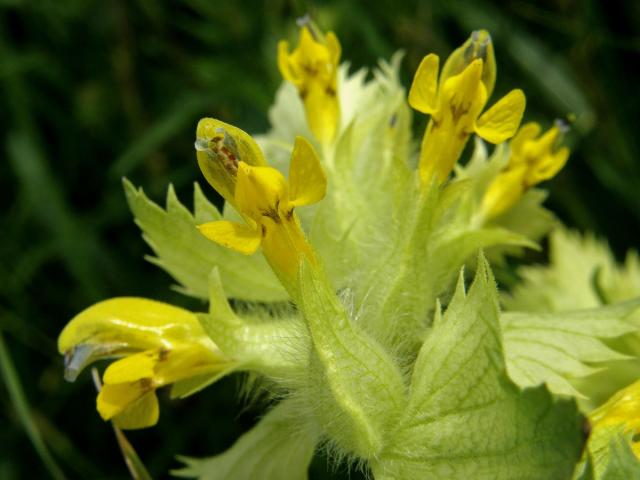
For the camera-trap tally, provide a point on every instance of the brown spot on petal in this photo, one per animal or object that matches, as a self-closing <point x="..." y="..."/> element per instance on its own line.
<point x="146" y="384"/>
<point x="272" y="213"/>
<point x="457" y="111"/>
<point x="289" y="214"/>
<point x="310" y="69"/>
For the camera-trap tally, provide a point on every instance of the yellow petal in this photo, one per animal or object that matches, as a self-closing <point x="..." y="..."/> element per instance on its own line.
<point x="322" y="110"/>
<point x="423" y="95"/>
<point x="537" y="149"/>
<point x="549" y="167"/>
<point x="131" y="368"/>
<point x="621" y="409"/>
<point x="635" y="447"/>
<point x="219" y="148"/>
<point x="142" y="413"/>
<point x="188" y="361"/>
<point x="307" y="180"/>
<point x="527" y="132"/>
<point x="259" y="191"/>
<point x="333" y="45"/>
<point x="501" y="121"/>
<point x="238" y="237"/>
<point x="477" y="46"/>
<point x="464" y="94"/>
<point x="123" y="325"/>
<point x="312" y="68"/>
<point x="127" y="382"/>
<point x="284" y="63"/>
<point x="113" y="399"/>
<point x="559" y="160"/>
<point x="503" y="193"/>
<point x="309" y="48"/>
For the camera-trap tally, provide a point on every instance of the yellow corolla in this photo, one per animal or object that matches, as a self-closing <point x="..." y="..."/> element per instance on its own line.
<point x="161" y="344"/>
<point x="622" y="409"/>
<point x="313" y="68"/>
<point x="267" y="201"/>
<point x="219" y="149"/>
<point x="533" y="159"/>
<point x="455" y="104"/>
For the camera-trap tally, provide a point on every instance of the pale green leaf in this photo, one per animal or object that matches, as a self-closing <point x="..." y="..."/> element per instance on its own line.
<point x="621" y="463"/>
<point x="608" y="456"/>
<point x="465" y="419"/>
<point x="582" y="270"/>
<point x="203" y="210"/>
<point x="623" y="282"/>
<point x="274" y="343"/>
<point x="396" y="293"/>
<point x="188" y="256"/>
<point x="277" y="448"/>
<point x="528" y="218"/>
<point x="556" y="348"/>
<point x="582" y="273"/>
<point x="360" y="206"/>
<point x="430" y="245"/>
<point x="451" y="252"/>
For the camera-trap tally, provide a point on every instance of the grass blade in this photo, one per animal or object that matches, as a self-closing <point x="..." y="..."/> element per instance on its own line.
<point x="22" y="409"/>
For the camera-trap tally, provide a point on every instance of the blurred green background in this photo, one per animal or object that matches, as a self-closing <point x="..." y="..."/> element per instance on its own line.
<point x="93" y="91"/>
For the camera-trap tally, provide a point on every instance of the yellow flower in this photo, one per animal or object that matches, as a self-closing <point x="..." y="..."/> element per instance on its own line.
<point x="219" y="149"/>
<point x="532" y="161"/>
<point x="267" y="201"/>
<point x="313" y="68"/>
<point x="622" y="409"/>
<point x="161" y="345"/>
<point x="455" y="104"/>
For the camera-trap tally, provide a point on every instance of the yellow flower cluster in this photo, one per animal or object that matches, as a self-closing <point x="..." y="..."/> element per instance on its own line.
<point x="455" y="103"/>
<point x="161" y="345"/>
<point x="534" y="158"/>
<point x="313" y="68"/>
<point x="267" y="201"/>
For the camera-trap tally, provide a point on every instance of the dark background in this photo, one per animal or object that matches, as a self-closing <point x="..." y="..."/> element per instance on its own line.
<point x="93" y="91"/>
